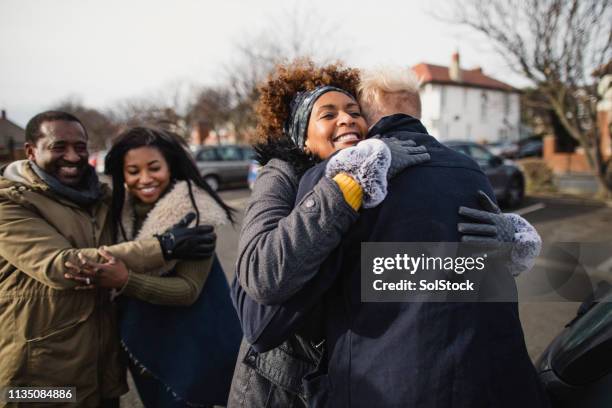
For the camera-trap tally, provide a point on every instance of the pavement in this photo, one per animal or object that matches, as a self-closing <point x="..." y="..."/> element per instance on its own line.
<point x="557" y="220"/>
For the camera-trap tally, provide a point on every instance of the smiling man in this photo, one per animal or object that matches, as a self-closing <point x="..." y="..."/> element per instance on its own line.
<point x="60" y="149"/>
<point x="53" y="207"/>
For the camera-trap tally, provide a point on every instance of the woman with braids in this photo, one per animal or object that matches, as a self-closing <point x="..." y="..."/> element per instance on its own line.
<point x="171" y="317"/>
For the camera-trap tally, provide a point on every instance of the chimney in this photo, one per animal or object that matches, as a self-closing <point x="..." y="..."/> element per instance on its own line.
<point x="200" y="132"/>
<point x="3" y="114"/>
<point x="454" y="71"/>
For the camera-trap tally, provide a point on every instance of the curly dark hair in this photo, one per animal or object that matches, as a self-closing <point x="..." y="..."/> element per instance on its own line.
<point x="273" y="106"/>
<point x="276" y="94"/>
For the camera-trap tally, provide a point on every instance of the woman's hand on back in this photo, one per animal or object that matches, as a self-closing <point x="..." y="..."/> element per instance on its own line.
<point x="404" y="154"/>
<point x="372" y="162"/>
<point x="492" y="228"/>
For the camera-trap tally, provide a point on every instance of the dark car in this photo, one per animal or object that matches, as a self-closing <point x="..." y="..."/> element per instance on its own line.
<point x="504" y="149"/>
<point x="506" y="178"/>
<point x="224" y="165"/>
<point x="576" y="368"/>
<point x="531" y="148"/>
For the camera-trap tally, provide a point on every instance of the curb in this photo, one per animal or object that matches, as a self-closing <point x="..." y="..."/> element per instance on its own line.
<point x="593" y="202"/>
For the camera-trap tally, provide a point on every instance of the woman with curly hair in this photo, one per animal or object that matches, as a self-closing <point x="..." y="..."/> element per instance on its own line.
<point x="306" y="115"/>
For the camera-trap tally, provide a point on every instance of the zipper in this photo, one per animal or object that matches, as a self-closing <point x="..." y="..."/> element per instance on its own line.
<point x="98" y="306"/>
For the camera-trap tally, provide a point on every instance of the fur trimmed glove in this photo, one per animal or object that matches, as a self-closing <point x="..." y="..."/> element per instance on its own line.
<point x="367" y="163"/>
<point x="375" y="161"/>
<point x="492" y="227"/>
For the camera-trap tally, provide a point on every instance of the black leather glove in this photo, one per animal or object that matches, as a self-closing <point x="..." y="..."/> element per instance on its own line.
<point x="183" y="242"/>
<point x="490" y="225"/>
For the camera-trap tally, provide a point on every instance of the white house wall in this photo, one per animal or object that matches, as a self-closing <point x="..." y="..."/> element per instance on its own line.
<point x="455" y="112"/>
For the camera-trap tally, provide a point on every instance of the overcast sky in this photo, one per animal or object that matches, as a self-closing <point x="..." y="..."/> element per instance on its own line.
<point x="104" y="51"/>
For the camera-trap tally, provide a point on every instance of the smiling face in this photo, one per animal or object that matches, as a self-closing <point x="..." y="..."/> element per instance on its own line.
<point x="335" y="123"/>
<point x="61" y="151"/>
<point x="146" y="173"/>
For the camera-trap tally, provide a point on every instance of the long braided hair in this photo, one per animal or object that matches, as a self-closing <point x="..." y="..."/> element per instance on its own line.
<point x="175" y="152"/>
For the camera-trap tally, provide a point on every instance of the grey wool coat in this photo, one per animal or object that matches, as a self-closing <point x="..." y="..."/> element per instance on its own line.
<point x="281" y="248"/>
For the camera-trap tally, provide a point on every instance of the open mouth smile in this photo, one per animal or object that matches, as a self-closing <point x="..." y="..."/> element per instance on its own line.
<point x="346" y="138"/>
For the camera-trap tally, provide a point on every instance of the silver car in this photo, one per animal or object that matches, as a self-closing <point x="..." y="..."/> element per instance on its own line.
<point x="224" y="165"/>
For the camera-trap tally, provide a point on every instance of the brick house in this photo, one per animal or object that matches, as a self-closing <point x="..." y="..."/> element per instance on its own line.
<point x="577" y="162"/>
<point x="12" y="138"/>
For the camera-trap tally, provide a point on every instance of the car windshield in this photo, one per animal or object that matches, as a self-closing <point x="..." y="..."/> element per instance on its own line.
<point x="206" y="155"/>
<point x="230" y="153"/>
<point x="583" y="355"/>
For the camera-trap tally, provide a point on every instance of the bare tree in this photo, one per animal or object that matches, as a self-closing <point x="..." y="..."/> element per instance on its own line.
<point x="556" y="44"/>
<point x="213" y="105"/>
<point x="100" y="126"/>
<point x="167" y="108"/>
<point x="295" y="33"/>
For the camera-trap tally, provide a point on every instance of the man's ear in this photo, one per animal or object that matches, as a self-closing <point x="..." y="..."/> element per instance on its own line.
<point x="30" y="150"/>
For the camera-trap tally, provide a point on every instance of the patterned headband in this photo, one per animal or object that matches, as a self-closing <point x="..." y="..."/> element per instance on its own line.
<point x="301" y="107"/>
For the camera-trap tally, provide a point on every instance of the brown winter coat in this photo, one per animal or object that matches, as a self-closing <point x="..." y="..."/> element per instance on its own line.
<point x="51" y="334"/>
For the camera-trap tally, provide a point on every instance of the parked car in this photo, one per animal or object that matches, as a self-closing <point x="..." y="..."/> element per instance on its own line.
<point x="96" y="160"/>
<point x="506" y="178"/>
<point x="576" y="368"/>
<point x="532" y="148"/>
<point x="503" y="149"/>
<point x="224" y="165"/>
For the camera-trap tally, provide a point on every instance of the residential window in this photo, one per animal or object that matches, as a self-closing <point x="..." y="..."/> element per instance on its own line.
<point x="434" y="124"/>
<point x="506" y="104"/>
<point x="442" y="97"/>
<point x="484" y="102"/>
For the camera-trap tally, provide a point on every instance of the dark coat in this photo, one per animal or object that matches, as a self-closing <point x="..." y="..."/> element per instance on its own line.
<point x="282" y="245"/>
<point x="420" y="354"/>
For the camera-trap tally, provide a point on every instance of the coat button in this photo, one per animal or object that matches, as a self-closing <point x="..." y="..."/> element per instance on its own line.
<point x="309" y="203"/>
<point x="22" y="188"/>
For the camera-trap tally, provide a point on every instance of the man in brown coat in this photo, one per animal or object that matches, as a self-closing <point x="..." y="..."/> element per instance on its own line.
<point x="52" y="207"/>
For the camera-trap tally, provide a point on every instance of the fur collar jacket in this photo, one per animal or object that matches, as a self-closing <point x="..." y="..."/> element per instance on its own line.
<point x="168" y="211"/>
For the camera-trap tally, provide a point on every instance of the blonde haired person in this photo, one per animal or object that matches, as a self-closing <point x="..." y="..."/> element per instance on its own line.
<point x="388" y="89"/>
<point x="405" y="354"/>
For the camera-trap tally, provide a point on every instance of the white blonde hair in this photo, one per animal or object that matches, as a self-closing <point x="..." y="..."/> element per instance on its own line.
<point x="388" y="90"/>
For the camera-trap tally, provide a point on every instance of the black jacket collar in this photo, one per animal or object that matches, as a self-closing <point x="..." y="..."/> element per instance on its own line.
<point x="397" y="122"/>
